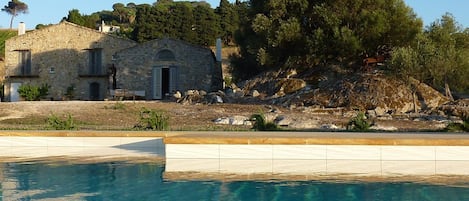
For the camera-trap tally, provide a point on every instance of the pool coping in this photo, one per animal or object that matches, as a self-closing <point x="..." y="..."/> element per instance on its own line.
<point x="321" y="138"/>
<point x="269" y="138"/>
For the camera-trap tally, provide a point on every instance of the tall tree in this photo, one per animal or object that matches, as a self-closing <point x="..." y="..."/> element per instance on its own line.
<point x="121" y="11"/>
<point x="229" y="20"/>
<point x="14" y="8"/>
<point x="206" y="26"/>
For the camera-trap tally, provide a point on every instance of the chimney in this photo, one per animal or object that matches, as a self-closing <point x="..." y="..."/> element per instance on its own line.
<point x="218" y="50"/>
<point x="21" y="28"/>
<point x="101" y="28"/>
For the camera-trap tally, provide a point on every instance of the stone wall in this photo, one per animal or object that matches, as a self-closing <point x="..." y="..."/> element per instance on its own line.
<point x="196" y="67"/>
<point x="60" y="58"/>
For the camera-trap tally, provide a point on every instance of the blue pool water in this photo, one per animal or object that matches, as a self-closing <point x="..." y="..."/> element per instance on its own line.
<point x="145" y="181"/>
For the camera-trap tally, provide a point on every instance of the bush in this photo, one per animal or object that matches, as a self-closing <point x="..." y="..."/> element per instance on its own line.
<point x="56" y="123"/>
<point x="70" y="92"/>
<point x="33" y="93"/>
<point x="459" y="127"/>
<point x="260" y="123"/>
<point x="359" y="123"/>
<point x="152" y="120"/>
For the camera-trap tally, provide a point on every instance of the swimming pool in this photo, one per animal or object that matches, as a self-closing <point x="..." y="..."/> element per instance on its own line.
<point x="137" y="168"/>
<point x="145" y="180"/>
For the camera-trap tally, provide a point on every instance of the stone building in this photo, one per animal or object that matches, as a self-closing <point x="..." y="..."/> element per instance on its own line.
<point x="161" y="67"/>
<point x="71" y="59"/>
<point x="85" y="64"/>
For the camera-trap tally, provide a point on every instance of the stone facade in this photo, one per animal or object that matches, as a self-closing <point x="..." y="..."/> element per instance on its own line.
<point x="162" y="67"/>
<point x="65" y="57"/>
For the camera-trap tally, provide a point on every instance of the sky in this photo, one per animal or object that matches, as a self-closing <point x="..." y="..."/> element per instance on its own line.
<point x="52" y="11"/>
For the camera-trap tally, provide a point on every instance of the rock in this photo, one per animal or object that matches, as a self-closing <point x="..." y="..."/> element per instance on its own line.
<point x="239" y="94"/>
<point x="296" y="122"/>
<point x="216" y="99"/>
<point x="240" y="120"/>
<point x="384" y="117"/>
<point x="177" y="95"/>
<point x="234" y="87"/>
<point x="349" y="114"/>
<point x="222" y="120"/>
<point x="383" y="128"/>
<point x="234" y="120"/>
<point x="282" y="121"/>
<point x="380" y="111"/>
<point x="255" y="93"/>
<point x="202" y="92"/>
<point x="371" y="114"/>
<point x="290" y="85"/>
<point x="429" y="97"/>
<point x="191" y="92"/>
<point x="458" y="108"/>
<point x="329" y="127"/>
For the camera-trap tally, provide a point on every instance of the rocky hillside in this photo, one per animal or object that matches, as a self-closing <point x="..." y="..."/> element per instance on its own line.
<point x="363" y="91"/>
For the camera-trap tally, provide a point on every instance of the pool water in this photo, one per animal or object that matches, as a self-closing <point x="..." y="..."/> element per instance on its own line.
<point x="121" y="180"/>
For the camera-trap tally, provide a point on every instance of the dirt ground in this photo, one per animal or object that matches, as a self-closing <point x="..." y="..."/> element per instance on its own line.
<point x="113" y="115"/>
<point x="124" y="115"/>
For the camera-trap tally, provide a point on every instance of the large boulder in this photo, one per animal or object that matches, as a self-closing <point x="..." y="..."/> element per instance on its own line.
<point x="459" y="108"/>
<point x="378" y="93"/>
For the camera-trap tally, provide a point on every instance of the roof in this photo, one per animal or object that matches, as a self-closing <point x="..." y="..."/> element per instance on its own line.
<point x="202" y="48"/>
<point x="73" y="25"/>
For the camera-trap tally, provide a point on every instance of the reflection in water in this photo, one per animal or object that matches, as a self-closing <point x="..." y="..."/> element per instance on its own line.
<point x="143" y="180"/>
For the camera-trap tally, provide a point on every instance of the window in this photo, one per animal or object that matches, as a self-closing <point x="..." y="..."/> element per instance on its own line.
<point x="95" y="61"/>
<point x="165" y="55"/>
<point x="24" y="57"/>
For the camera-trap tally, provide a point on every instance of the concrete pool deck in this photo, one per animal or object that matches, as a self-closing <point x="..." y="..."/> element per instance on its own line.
<point x="291" y="153"/>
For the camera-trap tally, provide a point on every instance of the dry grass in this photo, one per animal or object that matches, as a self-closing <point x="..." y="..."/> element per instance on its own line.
<point x="113" y="115"/>
<point x="124" y="115"/>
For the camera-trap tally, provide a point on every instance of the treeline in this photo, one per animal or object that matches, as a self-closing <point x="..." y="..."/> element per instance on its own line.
<point x="195" y="22"/>
<point x="305" y="34"/>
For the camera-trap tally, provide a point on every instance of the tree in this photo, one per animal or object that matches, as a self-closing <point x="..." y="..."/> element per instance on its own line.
<point x="229" y="20"/>
<point x="438" y="57"/>
<point x="193" y="22"/>
<point x="206" y="26"/>
<point x="120" y="11"/>
<point x="14" y="8"/>
<point x="303" y="34"/>
<point x="74" y="16"/>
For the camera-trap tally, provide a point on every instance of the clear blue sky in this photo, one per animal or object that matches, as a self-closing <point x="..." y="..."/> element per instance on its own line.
<point x="52" y="11"/>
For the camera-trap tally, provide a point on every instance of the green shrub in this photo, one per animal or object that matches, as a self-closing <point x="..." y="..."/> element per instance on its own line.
<point x="459" y="127"/>
<point x="56" y="123"/>
<point x="359" y="123"/>
<point x="33" y="93"/>
<point x="118" y="105"/>
<point x="70" y="92"/>
<point x="152" y="120"/>
<point x="260" y="124"/>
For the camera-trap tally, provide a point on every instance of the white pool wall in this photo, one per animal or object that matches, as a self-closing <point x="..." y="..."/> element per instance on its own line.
<point x="373" y="160"/>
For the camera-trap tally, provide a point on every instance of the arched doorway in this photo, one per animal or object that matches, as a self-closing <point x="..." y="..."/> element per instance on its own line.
<point x="164" y="76"/>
